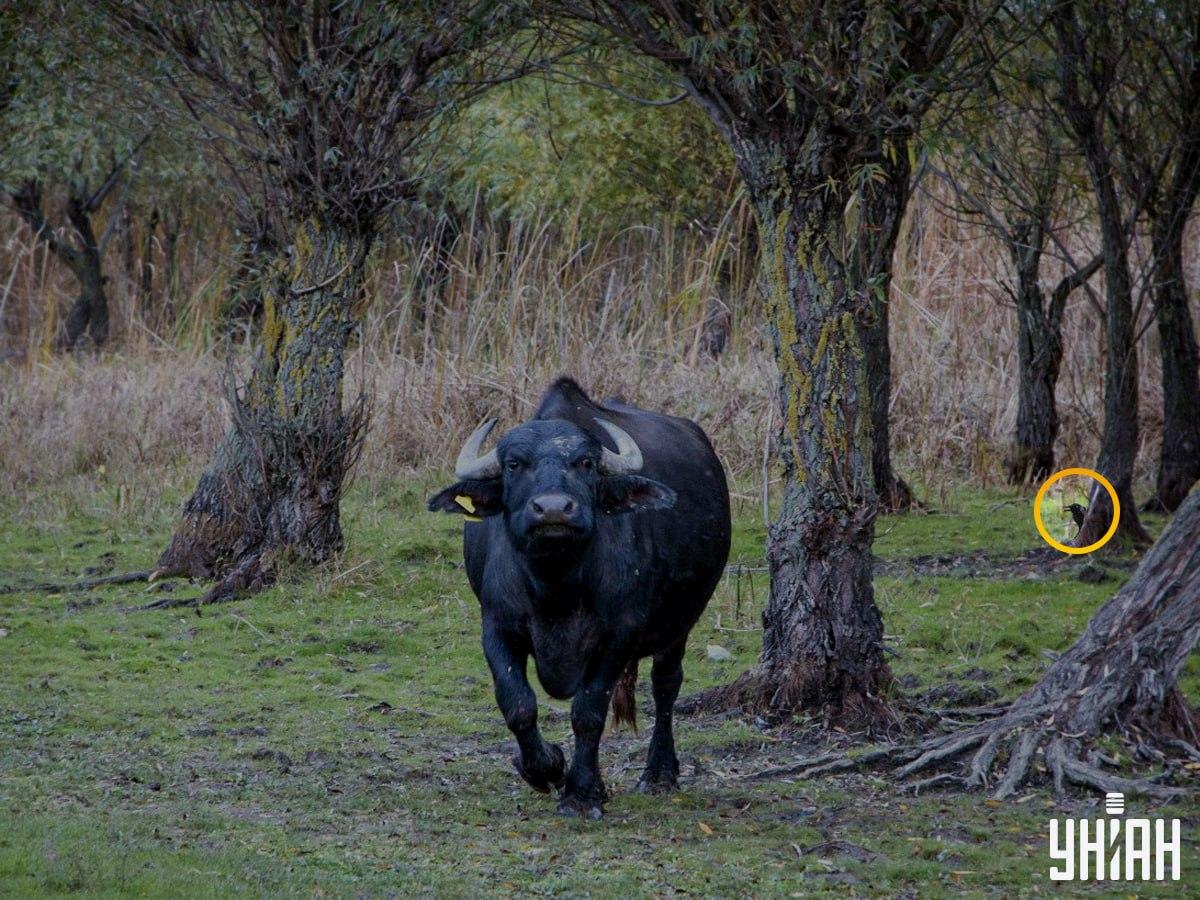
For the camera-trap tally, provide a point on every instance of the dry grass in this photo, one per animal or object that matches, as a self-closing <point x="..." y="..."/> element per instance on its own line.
<point x="517" y="308"/>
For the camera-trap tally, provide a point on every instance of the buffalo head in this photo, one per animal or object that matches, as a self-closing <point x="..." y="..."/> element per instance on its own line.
<point x="550" y="480"/>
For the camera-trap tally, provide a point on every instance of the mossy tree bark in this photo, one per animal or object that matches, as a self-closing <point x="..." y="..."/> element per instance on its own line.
<point x="323" y="141"/>
<point x="823" y="634"/>
<point x="812" y="99"/>
<point x="274" y="486"/>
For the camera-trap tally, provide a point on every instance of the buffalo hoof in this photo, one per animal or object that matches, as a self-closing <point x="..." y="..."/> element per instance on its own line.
<point x="544" y="773"/>
<point x="657" y="783"/>
<point x="583" y="809"/>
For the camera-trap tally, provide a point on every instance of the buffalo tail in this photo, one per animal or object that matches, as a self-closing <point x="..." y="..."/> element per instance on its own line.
<point x="624" y="702"/>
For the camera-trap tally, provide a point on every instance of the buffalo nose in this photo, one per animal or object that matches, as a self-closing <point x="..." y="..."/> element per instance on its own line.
<point x="552" y="509"/>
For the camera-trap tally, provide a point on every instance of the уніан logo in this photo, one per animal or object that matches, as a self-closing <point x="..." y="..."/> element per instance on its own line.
<point x="1115" y="848"/>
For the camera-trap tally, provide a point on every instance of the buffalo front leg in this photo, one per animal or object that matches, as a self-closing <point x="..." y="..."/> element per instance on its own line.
<point x="662" y="766"/>
<point x="539" y="762"/>
<point x="584" y="793"/>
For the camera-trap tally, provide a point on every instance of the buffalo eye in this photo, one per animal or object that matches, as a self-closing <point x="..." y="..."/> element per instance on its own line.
<point x="514" y="465"/>
<point x="586" y="464"/>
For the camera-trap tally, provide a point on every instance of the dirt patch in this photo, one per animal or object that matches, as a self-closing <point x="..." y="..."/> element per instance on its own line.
<point x="1032" y="565"/>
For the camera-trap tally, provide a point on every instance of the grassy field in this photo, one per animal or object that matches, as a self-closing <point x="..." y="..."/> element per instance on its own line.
<point x="337" y="734"/>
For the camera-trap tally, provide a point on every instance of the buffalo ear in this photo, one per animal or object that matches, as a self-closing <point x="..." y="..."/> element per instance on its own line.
<point x="473" y="499"/>
<point x="632" y="493"/>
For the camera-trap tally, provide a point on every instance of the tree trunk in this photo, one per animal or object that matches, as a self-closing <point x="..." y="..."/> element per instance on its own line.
<point x="274" y="486"/>
<point x="1119" y="440"/>
<point x="89" y="314"/>
<point x="1039" y="357"/>
<point x="128" y="244"/>
<point x="883" y="211"/>
<point x="146" y="280"/>
<point x="88" y="317"/>
<point x="822" y="632"/>
<point x="172" y="223"/>
<point x="1179" y="463"/>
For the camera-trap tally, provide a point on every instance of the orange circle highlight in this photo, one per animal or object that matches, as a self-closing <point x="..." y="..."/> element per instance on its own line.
<point x="1041" y="527"/>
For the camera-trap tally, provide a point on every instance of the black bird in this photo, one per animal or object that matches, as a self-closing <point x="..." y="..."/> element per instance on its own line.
<point x="1077" y="513"/>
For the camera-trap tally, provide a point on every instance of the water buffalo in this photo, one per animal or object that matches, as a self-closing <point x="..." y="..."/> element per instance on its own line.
<point x="596" y="535"/>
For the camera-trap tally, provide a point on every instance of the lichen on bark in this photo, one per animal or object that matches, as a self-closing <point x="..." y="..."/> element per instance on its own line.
<point x="823" y="634"/>
<point x="274" y="485"/>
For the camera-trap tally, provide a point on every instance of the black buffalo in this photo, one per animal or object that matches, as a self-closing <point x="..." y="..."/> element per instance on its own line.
<point x="601" y="532"/>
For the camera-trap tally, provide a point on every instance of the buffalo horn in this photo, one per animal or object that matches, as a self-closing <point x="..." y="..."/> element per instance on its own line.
<point x="470" y="465"/>
<point x="628" y="457"/>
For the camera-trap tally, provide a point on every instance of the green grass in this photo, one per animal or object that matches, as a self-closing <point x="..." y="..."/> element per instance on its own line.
<point x="337" y="735"/>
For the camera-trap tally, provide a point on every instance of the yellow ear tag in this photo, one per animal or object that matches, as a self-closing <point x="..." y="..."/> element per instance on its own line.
<point x="466" y="503"/>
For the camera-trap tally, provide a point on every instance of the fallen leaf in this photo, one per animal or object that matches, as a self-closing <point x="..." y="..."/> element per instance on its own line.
<point x="705" y="828"/>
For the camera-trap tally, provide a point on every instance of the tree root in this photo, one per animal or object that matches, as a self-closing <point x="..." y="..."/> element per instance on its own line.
<point x="942" y="749"/>
<point x="771" y="695"/>
<point x="819" y="765"/>
<point x="250" y="575"/>
<point x="84" y="584"/>
<point x="1019" y="737"/>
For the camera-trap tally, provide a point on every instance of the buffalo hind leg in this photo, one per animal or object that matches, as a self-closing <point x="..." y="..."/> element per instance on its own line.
<point x="662" y="765"/>
<point x="584" y="793"/>
<point x="539" y="762"/>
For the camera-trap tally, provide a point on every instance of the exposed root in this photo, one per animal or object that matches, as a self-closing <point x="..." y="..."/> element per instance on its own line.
<point x="1018" y="763"/>
<point x="1018" y="738"/>
<point x="84" y="584"/>
<point x="981" y="762"/>
<point x="937" y="780"/>
<point x="249" y="576"/>
<point x="1080" y="772"/>
<point x="942" y="749"/>
<point x="169" y="603"/>
<point x="773" y="696"/>
<point x="819" y="765"/>
<point x="1187" y="749"/>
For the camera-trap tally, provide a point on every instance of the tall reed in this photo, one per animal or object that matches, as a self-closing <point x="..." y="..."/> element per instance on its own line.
<point x="451" y="335"/>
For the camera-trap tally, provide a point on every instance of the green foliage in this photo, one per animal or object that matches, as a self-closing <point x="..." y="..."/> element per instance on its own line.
<point x="580" y="149"/>
<point x="79" y="104"/>
<point x="53" y="120"/>
<point x="319" y="109"/>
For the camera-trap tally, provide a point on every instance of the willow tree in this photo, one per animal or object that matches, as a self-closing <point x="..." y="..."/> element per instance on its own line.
<point x="1092" y="45"/>
<point x="1170" y="79"/>
<point x="1012" y="171"/>
<point x="65" y="152"/>
<point x="320" y="111"/>
<point x="813" y="99"/>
